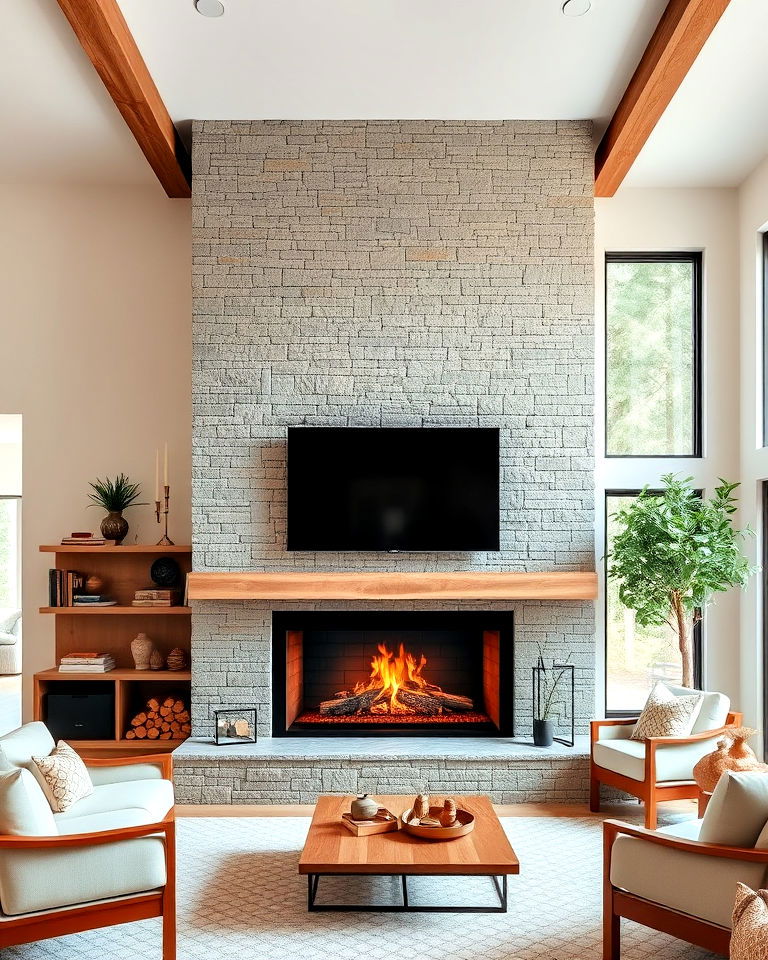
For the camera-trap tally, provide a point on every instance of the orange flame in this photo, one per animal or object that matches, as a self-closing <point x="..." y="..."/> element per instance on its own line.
<point x="389" y="673"/>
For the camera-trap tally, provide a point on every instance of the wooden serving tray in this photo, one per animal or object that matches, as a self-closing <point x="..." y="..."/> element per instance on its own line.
<point x="465" y="823"/>
<point x="383" y="822"/>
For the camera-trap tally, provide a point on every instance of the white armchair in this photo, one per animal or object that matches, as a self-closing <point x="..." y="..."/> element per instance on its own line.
<point x="108" y="859"/>
<point x="10" y="642"/>
<point x="668" y="880"/>
<point x="660" y="768"/>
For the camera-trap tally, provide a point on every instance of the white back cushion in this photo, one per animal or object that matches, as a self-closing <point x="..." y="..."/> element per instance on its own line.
<point x="738" y="810"/>
<point x="24" y="811"/>
<point x="19" y="745"/>
<point x="714" y="708"/>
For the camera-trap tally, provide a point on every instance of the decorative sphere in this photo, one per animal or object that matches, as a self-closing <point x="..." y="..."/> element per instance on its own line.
<point x="165" y="572"/>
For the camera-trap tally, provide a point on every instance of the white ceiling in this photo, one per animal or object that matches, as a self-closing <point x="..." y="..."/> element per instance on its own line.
<point x="57" y="122"/>
<point x="715" y="130"/>
<point x="293" y="59"/>
<point x="392" y="59"/>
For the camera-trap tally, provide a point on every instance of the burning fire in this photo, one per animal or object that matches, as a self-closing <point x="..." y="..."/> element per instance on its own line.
<point x="390" y="674"/>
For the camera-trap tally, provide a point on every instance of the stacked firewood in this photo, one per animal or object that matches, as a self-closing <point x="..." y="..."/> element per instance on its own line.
<point x="166" y="720"/>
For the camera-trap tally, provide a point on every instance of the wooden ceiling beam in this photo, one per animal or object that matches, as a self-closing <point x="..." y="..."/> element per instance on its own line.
<point x="678" y="39"/>
<point x="100" y="27"/>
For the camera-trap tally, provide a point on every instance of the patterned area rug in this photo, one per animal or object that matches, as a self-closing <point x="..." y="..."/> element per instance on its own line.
<point x="241" y="897"/>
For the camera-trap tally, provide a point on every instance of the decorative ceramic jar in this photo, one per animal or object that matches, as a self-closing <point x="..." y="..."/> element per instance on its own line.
<point x="732" y="753"/>
<point x="141" y="651"/>
<point x="156" y="660"/>
<point x="364" y="807"/>
<point x="114" y="526"/>
<point x="177" y="659"/>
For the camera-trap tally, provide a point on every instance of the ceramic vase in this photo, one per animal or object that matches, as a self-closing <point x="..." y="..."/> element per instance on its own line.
<point x="114" y="526"/>
<point x="364" y="807"/>
<point x="732" y="753"/>
<point x="156" y="661"/>
<point x="141" y="651"/>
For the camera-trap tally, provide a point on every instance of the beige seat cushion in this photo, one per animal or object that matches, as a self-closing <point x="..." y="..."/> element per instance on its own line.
<point x="749" y="940"/>
<point x="63" y="777"/>
<point x="700" y="886"/>
<point x="47" y="879"/>
<point x="667" y="714"/>
<point x="19" y="745"/>
<point x="627" y="757"/>
<point x="714" y="708"/>
<point x="24" y="809"/>
<point x="150" y="798"/>
<point x="738" y="809"/>
<point x="121" y="774"/>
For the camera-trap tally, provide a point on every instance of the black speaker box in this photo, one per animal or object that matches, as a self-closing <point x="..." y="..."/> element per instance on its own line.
<point x="81" y="711"/>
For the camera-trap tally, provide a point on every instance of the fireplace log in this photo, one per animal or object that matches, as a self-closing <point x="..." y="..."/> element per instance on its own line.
<point x="433" y="701"/>
<point x="351" y="704"/>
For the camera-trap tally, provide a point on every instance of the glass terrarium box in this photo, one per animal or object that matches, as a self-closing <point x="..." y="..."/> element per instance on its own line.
<point x="234" y="726"/>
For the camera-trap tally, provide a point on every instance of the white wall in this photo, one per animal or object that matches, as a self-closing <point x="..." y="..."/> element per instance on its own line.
<point x="96" y="332"/>
<point x="10" y="454"/>
<point x="753" y="218"/>
<point x="658" y="220"/>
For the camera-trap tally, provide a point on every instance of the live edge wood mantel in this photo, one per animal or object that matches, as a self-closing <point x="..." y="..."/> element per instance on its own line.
<point x="469" y="585"/>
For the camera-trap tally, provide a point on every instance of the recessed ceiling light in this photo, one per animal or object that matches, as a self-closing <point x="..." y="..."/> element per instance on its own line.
<point x="576" y="8"/>
<point x="210" y="8"/>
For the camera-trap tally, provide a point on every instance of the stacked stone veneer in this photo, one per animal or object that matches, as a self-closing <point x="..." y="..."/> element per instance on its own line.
<point x="390" y="273"/>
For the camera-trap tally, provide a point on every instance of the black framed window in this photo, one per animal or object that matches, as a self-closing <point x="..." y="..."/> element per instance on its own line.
<point x="653" y="354"/>
<point x="765" y="341"/>
<point x="636" y="657"/>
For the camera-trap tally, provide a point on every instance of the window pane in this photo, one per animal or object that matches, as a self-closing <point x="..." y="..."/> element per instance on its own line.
<point x="10" y="585"/>
<point x="635" y="657"/>
<point x="650" y="322"/>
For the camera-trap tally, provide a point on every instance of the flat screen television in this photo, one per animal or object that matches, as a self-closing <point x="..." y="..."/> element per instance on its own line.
<point x="393" y="488"/>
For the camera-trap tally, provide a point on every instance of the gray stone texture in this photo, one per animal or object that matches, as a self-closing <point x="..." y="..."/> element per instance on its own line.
<point x="390" y="273"/>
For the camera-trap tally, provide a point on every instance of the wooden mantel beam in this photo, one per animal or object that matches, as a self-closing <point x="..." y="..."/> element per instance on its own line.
<point x="104" y="35"/>
<point x="678" y="39"/>
<point x="463" y="585"/>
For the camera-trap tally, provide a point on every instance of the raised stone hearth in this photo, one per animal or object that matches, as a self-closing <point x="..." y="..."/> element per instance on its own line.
<point x="283" y="771"/>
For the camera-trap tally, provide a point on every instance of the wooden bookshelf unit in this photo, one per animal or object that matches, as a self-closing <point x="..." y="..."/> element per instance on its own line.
<point x="111" y="629"/>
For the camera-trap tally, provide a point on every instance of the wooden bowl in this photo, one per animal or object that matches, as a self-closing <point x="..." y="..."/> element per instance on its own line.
<point x="465" y="823"/>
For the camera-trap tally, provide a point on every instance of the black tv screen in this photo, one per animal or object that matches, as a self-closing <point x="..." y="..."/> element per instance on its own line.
<point x="392" y="488"/>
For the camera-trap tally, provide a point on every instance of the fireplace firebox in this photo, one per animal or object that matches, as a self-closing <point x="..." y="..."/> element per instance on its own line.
<point x="392" y="673"/>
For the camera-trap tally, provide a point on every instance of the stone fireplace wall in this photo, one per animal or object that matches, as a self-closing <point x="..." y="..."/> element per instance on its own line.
<point x="398" y="273"/>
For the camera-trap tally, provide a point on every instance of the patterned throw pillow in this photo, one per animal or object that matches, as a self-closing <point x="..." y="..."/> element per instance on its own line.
<point x="63" y="777"/>
<point x="666" y="715"/>
<point x="749" y="937"/>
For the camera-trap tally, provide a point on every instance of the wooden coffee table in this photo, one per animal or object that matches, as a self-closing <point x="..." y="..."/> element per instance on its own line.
<point x="331" y="850"/>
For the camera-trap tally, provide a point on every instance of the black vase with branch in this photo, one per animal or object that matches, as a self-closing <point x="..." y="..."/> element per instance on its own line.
<point x="547" y="689"/>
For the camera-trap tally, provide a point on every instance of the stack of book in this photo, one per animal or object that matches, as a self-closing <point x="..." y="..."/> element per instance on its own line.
<point x="84" y="540"/>
<point x="157" y="598"/>
<point x="63" y="585"/>
<point x="93" y="600"/>
<point x="87" y="662"/>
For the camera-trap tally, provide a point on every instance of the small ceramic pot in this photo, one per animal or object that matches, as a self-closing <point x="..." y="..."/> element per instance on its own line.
<point x="364" y="807"/>
<point x="114" y="526"/>
<point x="156" y="660"/>
<point x="543" y="733"/>
<point x="141" y="651"/>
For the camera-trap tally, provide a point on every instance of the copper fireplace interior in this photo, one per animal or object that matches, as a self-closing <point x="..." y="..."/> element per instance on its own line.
<point x="392" y="673"/>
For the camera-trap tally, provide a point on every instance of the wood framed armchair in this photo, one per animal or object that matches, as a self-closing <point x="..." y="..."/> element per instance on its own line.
<point x="660" y="768"/>
<point x="669" y="881"/>
<point x="113" y="861"/>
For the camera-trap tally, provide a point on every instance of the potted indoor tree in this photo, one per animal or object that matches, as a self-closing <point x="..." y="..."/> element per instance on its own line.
<point x="115" y="496"/>
<point x="673" y="551"/>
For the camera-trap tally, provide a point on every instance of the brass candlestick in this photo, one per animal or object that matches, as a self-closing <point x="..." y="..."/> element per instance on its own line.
<point x="165" y="540"/>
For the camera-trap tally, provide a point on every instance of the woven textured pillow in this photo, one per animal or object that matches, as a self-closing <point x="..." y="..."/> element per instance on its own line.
<point x="667" y="715"/>
<point x="63" y="777"/>
<point x="749" y="937"/>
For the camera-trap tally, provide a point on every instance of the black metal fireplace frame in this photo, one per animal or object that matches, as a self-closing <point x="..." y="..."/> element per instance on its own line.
<point x="501" y="620"/>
